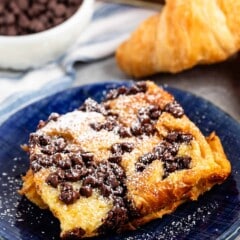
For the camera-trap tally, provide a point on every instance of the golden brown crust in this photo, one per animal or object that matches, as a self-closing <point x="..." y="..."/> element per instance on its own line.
<point x="184" y="34"/>
<point x="193" y="188"/>
<point x="29" y="190"/>
<point x="152" y="191"/>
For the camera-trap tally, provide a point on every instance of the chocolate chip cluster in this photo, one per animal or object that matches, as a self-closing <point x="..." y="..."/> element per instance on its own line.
<point x="140" y="87"/>
<point x="145" y="124"/>
<point x="69" y="167"/>
<point x="118" y="149"/>
<point x="146" y="119"/>
<point x="166" y="151"/>
<point x="107" y="177"/>
<point x="175" y="109"/>
<point x="21" y="17"/>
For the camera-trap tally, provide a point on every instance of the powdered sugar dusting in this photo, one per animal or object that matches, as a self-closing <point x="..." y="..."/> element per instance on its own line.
<point x="179" y="225"/>
<point x="73" y="122"/>
<point x="17" y="212"/>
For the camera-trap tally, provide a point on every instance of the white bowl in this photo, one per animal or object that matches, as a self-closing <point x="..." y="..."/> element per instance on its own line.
<point x="34" y="50"/>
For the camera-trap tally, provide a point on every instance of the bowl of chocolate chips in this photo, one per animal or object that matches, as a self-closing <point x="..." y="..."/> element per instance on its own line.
<point x="35" y="32"/>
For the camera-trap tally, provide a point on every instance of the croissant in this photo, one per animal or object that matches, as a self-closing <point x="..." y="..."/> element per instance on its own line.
<point x="116" y="165"/>
<point x="185" y="33"/>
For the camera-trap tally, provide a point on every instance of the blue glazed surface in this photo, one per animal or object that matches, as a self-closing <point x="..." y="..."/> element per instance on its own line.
<point x="216" y="215"/>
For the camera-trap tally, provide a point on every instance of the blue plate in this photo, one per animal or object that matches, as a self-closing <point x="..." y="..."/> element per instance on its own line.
<point x="216" y="215"/>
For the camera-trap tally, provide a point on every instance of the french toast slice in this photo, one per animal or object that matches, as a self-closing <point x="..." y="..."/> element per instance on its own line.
<point x="115" y="165"/>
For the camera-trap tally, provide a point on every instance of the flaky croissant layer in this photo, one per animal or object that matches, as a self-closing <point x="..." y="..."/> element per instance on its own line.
<point x="185" y="33"/>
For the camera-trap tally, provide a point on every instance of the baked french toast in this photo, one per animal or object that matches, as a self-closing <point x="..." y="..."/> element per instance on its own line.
<point x="116" y="165"/>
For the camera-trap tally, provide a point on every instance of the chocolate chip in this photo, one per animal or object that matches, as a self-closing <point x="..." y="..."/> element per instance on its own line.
<point x="49" y="150"/>
<point x="109" y="124"/>
<point x="60" y="144"/>
<point x="76" y="159"/>
<point x="172" y="136"/>
<point x="23" y="4"/>
<point x="59" y="10"/>
<point x="159" y="149"/>
<point x="10" y="19"/>
<point x="67" y="194"/>
<point x="56" y="158"/>
<point x="52" y="179"/>
<point x="64" y="163"/>
<point x="115" y="158"/>
<point x="43" y="140"/>
<point x="127" y="147"/>
<point x="164" y="148"/>
<point x="35" y="166"/>
<point x="90" y="180"/>
<point x="175" y="109"/>
<point x="43" y="1"/>
<point x="121" y="148"/>
<point x="83" y="171"/>
<point x="167" y="156"/>
<point x="138" y="88"/>
<point x="61" y="174"/>
<point x="140" y="167"/>
<point x="170" y="167"/>
<point x="114" y="93"/>
<point x="136" y="129"/>
<point x="112" y="114"/>
<point x="186" y="138"/>
<point x="24" y="21"/>
<point x="11" y="31"/>
<point x="118" y="171"/>
<point x="172" y="148"/>
<point x="154" y="112"/>
<point x="86" y="191"/>
<point x="144" y="118"/>
<point x="87" y="157"/>
<point x="96" y="126"/>
<point x="105" y="190"/>
<point x="183" y="162"/>
<point x="142" y="86"/>
<point x="175" y="136"/>
<point x="133" y="90"/>
<point x="45" y="161"/>
<point x="148" y="129"/>
<point x="112" y="181"/>
<point x="116" y="218"/>
<point x="122" y="90"/>
<point x="73" y="175"/>
<point x="147" y="158"/>
<point x="124" y="132"/>
<point x="91" y="105"/>
<point x="117" y="149"/>
<point x="118" y="191"/>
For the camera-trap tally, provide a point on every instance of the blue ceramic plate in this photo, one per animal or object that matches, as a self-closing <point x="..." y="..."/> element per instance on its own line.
<point x="216" y="215"/>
